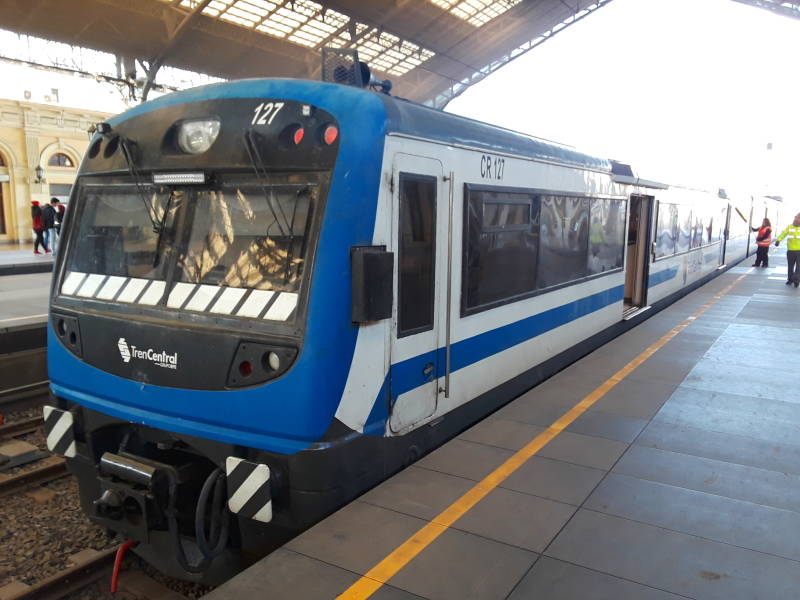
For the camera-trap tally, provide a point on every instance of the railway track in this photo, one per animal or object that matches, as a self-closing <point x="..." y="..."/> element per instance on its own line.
<point x="20" y="427"/>
<point x="77" y="577"/>
<point x="49" y="469"/>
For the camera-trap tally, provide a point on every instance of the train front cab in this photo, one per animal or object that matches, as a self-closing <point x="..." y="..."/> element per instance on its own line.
<point x="185" y="382"/>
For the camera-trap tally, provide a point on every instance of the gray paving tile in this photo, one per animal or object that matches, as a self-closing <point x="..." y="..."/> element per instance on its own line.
<point x="534" y="411"/>
<point x="755" y="334"/>
<point x="742" y="379"/>
<point x="635" y="399"/>
<point x="751" y="484"/>
<point x="503" y="433"/>
<point x="601" y="424"/>
<point x="586" y="450"/>
<point x="770" y="357"/>
<point x="418" y="492"/>
<point x="551" y="579"/>
<point x="759" y="418"/>
<point x="767" y="312"/>
<point x="675" y="562"/>
<point x="737" y="449"/>
<point x="516" y="519"/>
<point x="668" y="365"/>
<point x="348" y="539"/>
<point x="287" y="575"/>
<point x="726" y="520"/>
<point x="459" y="566"/>
<point x="465" y="459"/>
<point x="554" y="479"/>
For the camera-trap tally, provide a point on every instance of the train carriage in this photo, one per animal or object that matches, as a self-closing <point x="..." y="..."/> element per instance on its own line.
<point x="272" y="294"/>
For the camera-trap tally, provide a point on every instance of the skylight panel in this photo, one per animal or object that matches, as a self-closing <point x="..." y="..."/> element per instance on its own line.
<point x="311" y="25"/>
<point x="476" y="12"/>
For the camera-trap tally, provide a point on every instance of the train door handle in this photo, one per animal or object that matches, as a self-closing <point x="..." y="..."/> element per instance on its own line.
<point x="426" y="372"/>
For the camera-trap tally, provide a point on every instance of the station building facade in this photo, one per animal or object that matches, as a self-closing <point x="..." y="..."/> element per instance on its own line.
<point x="38" y="135"/>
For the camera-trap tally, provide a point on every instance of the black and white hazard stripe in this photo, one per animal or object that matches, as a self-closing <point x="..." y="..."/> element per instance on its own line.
<point x="249" y="493"/>
<point x="58" y="428"/>
<point x="221" y="300"/>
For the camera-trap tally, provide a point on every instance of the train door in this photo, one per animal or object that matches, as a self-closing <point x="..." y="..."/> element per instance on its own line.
<point x="636" y="259"/>
<point x="726" y="224"/>
<point x="420" y="222"/>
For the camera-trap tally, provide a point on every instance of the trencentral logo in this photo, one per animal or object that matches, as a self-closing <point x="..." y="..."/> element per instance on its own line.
<point x="123" y="350"/>
<point x="162" y="359"/>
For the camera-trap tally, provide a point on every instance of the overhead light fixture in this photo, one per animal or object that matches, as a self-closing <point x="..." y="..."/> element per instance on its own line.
<point x="39" y="171"/>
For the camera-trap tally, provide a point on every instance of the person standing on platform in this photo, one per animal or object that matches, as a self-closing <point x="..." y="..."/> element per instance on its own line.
<point x="763" y="240"/>
<point x="38" y="227"/>
<point x="792" y="251"/>
<point x="49" y="218"/>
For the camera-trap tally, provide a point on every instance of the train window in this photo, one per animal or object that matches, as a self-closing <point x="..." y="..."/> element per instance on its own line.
<point x="683" y="241"/>
<point x="666" y="226"/>
<point x="719" y="223"/>
<point x="564" y="242"/>
<point x="417" y="254"/>
<point x="500" y="247"/>
<point x="117" y="236"/>
<point x="249" y="236"/>
<point x="698" y="227"/>
<point x="606" y="236"/>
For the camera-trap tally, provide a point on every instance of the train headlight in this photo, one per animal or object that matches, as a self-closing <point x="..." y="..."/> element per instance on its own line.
<point x="196" y="136"/>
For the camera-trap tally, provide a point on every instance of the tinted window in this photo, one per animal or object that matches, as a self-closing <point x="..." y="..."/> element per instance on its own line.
<point x="564" y="235"/>
<point x="606" y="236"/>
<point x="416" y="253"/>
<point x="117" y="237"/>
<point x="248" y="237"/>
<point x="665" y="229"/>
<point x="698" y="228"/>
<point x="683" y="240"/>
<point x="500" y="246"/>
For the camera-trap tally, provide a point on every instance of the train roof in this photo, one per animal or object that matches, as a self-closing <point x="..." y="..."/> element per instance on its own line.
<point x="408" y="118"/>
<point x="401" y="117"/>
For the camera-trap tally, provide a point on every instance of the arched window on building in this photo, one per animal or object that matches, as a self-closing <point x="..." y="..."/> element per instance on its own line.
<point x="59" y="159"/>
<point x="3" y="180"/>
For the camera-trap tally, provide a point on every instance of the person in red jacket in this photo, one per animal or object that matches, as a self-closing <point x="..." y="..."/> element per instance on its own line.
<point x="38" y="227"/>
<point x="763" y="240"/>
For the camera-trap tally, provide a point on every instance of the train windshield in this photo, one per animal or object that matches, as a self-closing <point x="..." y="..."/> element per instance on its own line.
<point x="185" y="247"/>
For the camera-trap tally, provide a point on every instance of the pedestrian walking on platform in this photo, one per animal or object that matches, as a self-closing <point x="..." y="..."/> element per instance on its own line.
<point x="49" y="219"/>
<point x="792" y="251"/>
<point x="763" y="240"/>
<point x="38" y="227"/>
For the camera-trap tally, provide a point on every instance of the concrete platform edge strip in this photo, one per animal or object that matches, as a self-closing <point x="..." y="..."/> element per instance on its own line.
<point x="381" y="573"/>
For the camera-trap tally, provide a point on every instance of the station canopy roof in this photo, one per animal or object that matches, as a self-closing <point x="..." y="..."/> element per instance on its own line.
<point x="431" y="50"/>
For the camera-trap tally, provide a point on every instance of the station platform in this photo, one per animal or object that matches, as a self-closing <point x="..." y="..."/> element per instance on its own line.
<point x="18" y="259"/>
<point x="24" y="303"/>
<point x="664" y="465"/>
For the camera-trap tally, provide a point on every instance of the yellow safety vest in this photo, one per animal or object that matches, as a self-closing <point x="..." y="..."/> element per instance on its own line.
<point x="793" y="233"/>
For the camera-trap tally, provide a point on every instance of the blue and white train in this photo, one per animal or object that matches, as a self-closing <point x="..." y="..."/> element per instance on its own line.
<point x="273" y="294"/>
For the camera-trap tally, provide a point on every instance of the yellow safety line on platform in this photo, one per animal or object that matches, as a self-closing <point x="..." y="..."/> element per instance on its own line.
<point x="403" y="554"/>
<point x="22" y="318"/>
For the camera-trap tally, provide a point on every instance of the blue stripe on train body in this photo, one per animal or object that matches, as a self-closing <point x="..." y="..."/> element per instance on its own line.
<point x="291" y="413"/>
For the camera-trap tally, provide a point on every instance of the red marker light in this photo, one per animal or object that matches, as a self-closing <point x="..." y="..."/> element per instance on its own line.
<point x="298" y="135"/>
<point x="330" y="134"/>
<point x="245" y="368"/>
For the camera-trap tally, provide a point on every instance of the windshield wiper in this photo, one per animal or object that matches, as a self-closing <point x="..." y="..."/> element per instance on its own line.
<point x="255" y="159"/>
<point x="161" y="227"/>
<point x="134" y="173"/>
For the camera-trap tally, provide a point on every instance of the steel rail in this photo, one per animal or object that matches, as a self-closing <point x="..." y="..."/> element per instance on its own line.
<point x="51" y="468"/>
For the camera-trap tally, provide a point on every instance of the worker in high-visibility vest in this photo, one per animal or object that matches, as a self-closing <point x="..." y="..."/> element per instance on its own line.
<point x="763" y="240"/>
<point x="792" y="250"/>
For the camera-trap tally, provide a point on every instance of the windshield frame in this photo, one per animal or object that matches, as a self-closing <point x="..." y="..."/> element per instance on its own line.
<point x="291" y="328"/>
